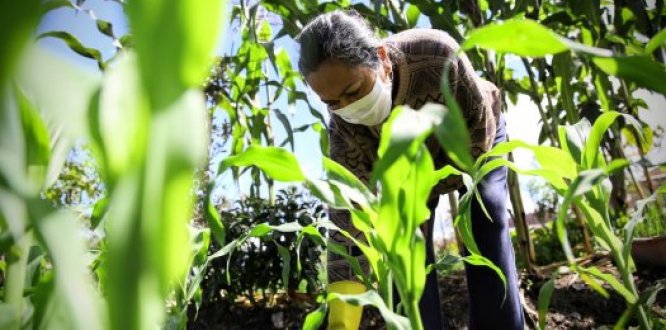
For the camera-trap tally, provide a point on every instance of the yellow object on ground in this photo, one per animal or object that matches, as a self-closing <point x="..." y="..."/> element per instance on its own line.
<point x="344" y="316"/>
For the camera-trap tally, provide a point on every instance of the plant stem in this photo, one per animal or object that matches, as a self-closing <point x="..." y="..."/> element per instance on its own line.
<point x="453" y="206"/>
<point x="415" y="315"/>
<point x="16" y="278"/>
<point x="628" y="280"/>
<point x="386" y="289"/>
<point x="587" y="242"/>
<point x="522" y="229"/>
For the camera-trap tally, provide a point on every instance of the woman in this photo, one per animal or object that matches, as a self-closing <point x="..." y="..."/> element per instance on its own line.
<point x="361" y="78"/>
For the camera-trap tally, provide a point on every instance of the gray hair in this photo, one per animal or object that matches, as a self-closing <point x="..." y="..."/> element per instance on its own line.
<point x="340" y="35"/>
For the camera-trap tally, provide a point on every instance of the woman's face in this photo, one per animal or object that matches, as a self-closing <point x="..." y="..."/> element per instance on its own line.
<point x="339" y="84"/>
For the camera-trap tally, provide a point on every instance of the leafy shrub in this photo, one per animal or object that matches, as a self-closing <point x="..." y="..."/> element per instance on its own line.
<point x="547" y="246"/>
<point x="270" y="262"/>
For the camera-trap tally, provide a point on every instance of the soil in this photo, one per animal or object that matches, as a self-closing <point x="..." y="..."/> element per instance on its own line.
<point x="573" y="305"/>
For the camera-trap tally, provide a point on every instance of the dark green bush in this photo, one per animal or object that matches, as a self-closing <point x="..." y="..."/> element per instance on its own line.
<point x="547" y="247"/>
<point x="257" y="266"/>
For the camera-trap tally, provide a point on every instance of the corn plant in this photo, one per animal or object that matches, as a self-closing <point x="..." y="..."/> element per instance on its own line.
<point x="581" y="168"/>
<point x="390" y="219"/>
<point x="145" y="119"/>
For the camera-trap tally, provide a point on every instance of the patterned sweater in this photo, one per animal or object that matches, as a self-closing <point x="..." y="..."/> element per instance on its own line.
<point x="418" y="57"/>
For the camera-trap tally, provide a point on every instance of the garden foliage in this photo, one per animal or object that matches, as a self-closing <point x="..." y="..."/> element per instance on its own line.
<point x="144" y="118"/>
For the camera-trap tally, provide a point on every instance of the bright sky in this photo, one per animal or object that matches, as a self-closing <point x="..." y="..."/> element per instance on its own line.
<point x="522" y="118"/>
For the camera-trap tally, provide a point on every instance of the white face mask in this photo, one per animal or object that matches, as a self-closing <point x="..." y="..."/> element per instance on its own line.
<point x="371" y="109"/>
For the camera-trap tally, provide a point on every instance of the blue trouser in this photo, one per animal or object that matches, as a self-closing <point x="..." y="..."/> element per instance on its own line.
<point x="488" y="309"/>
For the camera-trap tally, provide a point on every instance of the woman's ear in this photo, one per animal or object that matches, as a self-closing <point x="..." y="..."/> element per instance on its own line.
<point x="385" y="61"/>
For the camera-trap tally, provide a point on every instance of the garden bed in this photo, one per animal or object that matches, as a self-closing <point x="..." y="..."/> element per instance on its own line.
<point x="573" y="306"/>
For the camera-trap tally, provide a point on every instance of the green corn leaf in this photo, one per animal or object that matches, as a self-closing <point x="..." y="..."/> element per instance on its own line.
<point x="213" y="219"/>
<point x="283" y="63"/>
<point x="556" y="160"/>
<point x="172" y="155"/>
<point x="592" y="155"/>
<point x="616" y="165"/>
<point x="646" y="143"/>
<point x="372" y="298"/>
<point x="260" y="230"/>
<point x="445" y="263"/>
<point x="551" y="159"/>
<point x="105" y="28"/>
<point x="312" y="231"/>
<point x="74" y="44"/>
<point x="479" y="200"/>
<point x="612" y="281"/>
<point x="444" y="173"/>
<point x="563" y="66"/>
<point x="464" y="222"/>
<point x="649" y="295"/>
<point x="287" y="127"/>
<point x="299" y="240"/>
<point x="642" y="70"/>
<point x="363" y="220"/>
<point x="173" y="64"/>
<point x="371" y="254"/>
<point x="451" y="131"/>
<point x="561" y="231"/>
<point x="55" y="4"/>
<point x="323" y="138"/>
<point x="553" y="178"/>
<point x="631" y="225"/>
<point x="594" y="285"/>
<point x="329" y="193"/>
<point x="36" y="135"/>
<point x="200" y="245"/>
<point x="265" y="32"/>
<point x="338" y="172"/>
<point x="603" y="234"/>
<point x="63" y="105"/>
<point x="277" y="163"/>
<point x="404" y="129"/>
<point x="58" y="231"/>
<point x="226" y="249"/>
<point x="99" y="210"/>
<point x="9" y="319"/>
<point x="315" y="318"/>
<point x="602" y="86"/>
<point x="545" y="293"/>
<point x="522" y="37"/>
<point x="413" y="14"/>
<point x="657" y="41"/>
<point x="585" y="182"/>
<point x="418" y="261"/>
<point x="126" y="41"/>
<point x="479" y="260"/>
<point x="313" y="234"/>
<point x="121" y="117"/>
<point x="288" y="227"/>
<point x="95" y="127"/>
<point x="341" y="250"/>
<point x="286" y="263"/>
<point x="19" y="19"/>
<point x="573" y="138"/>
